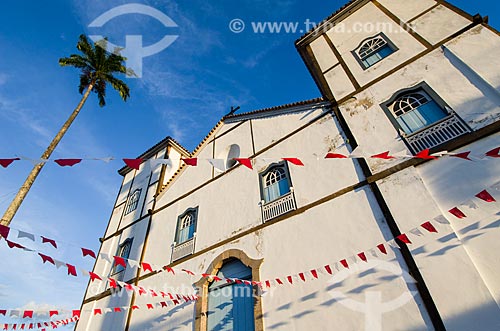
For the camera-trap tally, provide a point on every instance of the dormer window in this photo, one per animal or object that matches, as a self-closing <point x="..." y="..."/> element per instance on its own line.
<point x="373" y="50"/>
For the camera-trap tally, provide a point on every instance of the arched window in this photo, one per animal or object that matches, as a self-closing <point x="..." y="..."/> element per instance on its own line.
<point x="123" y="251"/>
<point x="133" y="201"/>
<point x="415" y="110"/>
<point x="275" y="183"/>
<point x="186" y="226"/>
<point x="373" y="50"/>
<point x="231" y="305"/>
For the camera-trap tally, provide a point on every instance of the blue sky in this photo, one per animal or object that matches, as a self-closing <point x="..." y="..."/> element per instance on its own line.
<point x="184" y="91"/>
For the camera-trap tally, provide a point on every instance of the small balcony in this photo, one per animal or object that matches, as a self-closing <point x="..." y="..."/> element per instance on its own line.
<point x="182" y="250"/>
<point x="278" y="207"/>
<point x="436" y="134"/>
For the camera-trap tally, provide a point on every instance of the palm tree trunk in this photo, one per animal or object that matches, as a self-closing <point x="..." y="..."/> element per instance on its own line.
<point x="23" y="191"/>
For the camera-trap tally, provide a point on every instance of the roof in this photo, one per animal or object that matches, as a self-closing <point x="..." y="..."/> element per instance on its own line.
<point x="340" y="10"/>
<point x="272" y="110"/>
<point x="155" y="149"/>
<point x="243" y="117"/>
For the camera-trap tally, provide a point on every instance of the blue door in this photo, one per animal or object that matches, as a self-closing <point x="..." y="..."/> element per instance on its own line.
<point x="231" y="306"/>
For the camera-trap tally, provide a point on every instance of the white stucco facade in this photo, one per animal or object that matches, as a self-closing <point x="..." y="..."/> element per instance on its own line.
<point x="340" y="207"/>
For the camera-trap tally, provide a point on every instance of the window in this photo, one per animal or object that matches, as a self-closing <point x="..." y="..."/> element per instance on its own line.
<point x="423" y="119"/>
<point x="186" y="226"/>
<point x="231" y="305"/>
<point x="416" y="110"/>
<point x="133" y="201"/>
<point x="373" y="50"/>
<point x="124" y="252"/>
<point x="275" y="182"/>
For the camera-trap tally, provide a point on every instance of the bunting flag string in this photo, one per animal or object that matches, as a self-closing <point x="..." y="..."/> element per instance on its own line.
<point x="30" y="316"/>
<point x="41" y="325"/>
<point x="402" y="239"/>
<point x="135" y="163"/>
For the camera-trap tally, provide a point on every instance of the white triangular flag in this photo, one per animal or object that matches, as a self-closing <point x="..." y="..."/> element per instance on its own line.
<point x="393" y="243"/>
<point x="106" y="257"/>
<point x="133" y="263"/>
<point x="496" y="186"/>
<point x="373" y="252"/>
<point x="441" y="219"/>
<point x="155" y="162"/>
<point x="84" y="272"/>
<point x="218" y="164"/>
<point x="59" y="263"/>
<point x="416" y="232"/>
<point x="14" y="313"/>
<point x="402" y="154"/>
<point x="105" y="159"/>
<point x="469" y="204"/>
<point x="107" y="310"/>
<point x="22" y="234"/>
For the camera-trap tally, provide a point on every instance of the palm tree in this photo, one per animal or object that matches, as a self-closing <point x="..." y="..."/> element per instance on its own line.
<point x="97" y="67"/>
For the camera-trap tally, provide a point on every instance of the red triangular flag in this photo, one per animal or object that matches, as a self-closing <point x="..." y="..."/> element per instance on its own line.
<point x="328" y="269"/>
<point x="290" y="279"/>
<point x="12" y="244"/>
<point x="163" y="304"/>
<point x="464" y="155"/>
<point x="146" y="267"/>
<point x="429" y="227"/>
<point x="279" y="281"/>
<point x="246" y="162"/>
<point x="88" y="252"/>
<point x="384" y="155"/>
<point x="153" y="293"/>
<point x="176" y="302"/>
<point x="117" y="309"/>
<point x="76" y="313"/>
<point x="4" y="231"/>
<point x="97" y="311"/>
<point x="6" y="162"/>
<point x="424" y="155"/>
<point x="71" y="269"/>
<point x="133" y="163"/>
<point x="3" y="312"/>
<point x="50" y="241"/>
<point x="94" y="276"/>
<point x="344" y="263"/>
<point x="335" y="156"/>
<point x="381" y="248"/>
<point x="67" y="162"/>
<point x="192" y="162"/>
<point x="28" y="314"/>
<point x="301" y="276"/>
<point x="294" y="160"/>
<point x="404" y="238"/>
<point x="314" y="273"/>
<point x="112" y="283"/>
<point x="216" y="279"/>
<point x="268" y="283"/>
<point x="120" y="261"/>
<point x="494" y="152"/>
<point x="53" y="312"/>
<point x="135" y="307"/>
<point x="484" y="195"/>
<point x="457" y="212"/>
<point x="142" y="290"/>
<point x="129" y="287"/>
<point x="168" y="269"/>
<point x="46" y="258"/>
<point x="362" y="256"/>
<point x="188" y="272"/>
<point x="150" y="306"/>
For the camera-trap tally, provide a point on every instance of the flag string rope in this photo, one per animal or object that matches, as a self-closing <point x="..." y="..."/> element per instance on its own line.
<point x="217" y="163"/>
<point x="404" y="238"/>
<point x="39" y="325"/>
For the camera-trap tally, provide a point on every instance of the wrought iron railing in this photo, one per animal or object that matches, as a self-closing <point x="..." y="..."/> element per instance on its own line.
<point x="182" y="250"/>
<point x="438" y="133"/>
<point x="278" y="207"/>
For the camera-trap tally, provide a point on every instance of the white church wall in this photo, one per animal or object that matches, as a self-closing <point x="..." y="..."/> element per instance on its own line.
<point x="431" y="27"/>
<point x="406" y="10"/>
<point x="456" y="297"/>
<point x="323" y="53"/>
<point x="106" y="321"/>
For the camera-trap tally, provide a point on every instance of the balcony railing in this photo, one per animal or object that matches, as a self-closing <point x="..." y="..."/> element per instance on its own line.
<point x="278" y="207"/>
<point x="438" y="133"/>
<point x="182" y="250"/>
